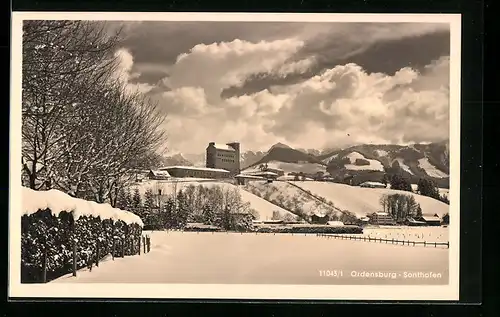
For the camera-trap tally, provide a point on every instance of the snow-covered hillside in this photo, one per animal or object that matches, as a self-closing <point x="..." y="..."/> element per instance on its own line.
<point x="362" y="201"/>
<point x="308" y="168"/>
<point x="381" y="153"/>
<point x="405" y="167"/>
<point x="430" y="169"/>
<point x="329" y="158"/>
<point x="263" y="207"/>
<point x="290" y="196"/>
<point x="373" y="166"/>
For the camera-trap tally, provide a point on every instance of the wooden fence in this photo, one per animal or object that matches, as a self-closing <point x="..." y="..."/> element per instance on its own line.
<point x="94" y="257"/>
<point x="386" y="241"/>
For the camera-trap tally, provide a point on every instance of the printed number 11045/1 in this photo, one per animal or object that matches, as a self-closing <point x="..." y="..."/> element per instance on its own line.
<point x="331" y="273"/>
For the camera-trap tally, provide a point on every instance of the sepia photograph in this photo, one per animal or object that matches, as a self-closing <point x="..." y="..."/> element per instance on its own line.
<point x="252" y="156"/>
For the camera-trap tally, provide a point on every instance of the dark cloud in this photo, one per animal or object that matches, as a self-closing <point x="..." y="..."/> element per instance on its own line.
<point x="381" y="57"/>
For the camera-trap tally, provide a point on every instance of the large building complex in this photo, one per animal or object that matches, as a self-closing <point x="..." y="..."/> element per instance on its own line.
<point x="224" y="156"/>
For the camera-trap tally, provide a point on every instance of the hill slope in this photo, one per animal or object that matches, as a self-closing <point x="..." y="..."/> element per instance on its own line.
<point x="264" y="208"/>
<point x="361" y="201"/>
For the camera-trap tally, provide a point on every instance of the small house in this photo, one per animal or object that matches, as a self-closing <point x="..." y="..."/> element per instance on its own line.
<point x="319" y="219"/>
<point x="372" y="185"/>
<point x="381" y="218"/>
<point x="430" y="220"/>
<point x="412" y="222"/>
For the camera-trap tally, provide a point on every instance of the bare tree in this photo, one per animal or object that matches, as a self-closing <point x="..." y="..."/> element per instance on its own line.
<point x="62" y="61"/>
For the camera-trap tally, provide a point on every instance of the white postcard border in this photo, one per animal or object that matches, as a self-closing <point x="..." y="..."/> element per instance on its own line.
<point x="229" y="291"/>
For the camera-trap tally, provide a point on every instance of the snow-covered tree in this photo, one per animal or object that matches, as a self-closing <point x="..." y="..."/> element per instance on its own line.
<point x="83" y="132"/>
<point x="149" y="198"/>
<point x="136" y="198"/>
<point x="62" y="60"/>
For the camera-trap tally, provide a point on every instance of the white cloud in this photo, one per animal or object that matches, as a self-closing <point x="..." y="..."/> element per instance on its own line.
<point x="336" y="107"/>
<point x="222" y="65"/>
<point x="124" y="72"/>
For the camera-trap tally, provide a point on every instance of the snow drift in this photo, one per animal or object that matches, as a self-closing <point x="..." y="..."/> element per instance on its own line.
<point x="57" y="201"/>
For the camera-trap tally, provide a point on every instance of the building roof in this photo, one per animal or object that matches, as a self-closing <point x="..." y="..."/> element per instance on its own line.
<point x="319" y="214"/>
<point x="195" y="169"/>
<point x="415" y="221"/>
<point x="160" y="173"/>
<point x="260" y="173"/>
<point x="225" y="147"/>
<point x="373" y="184"/>
<point x="430" y="218"/>
<point x="248" y="176"/>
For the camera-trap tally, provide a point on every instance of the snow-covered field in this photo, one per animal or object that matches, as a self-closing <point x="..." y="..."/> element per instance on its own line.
<point x="428" y="234"/>
<point x="233" y="258"/>
<point x="373" y="166"/>
<point x="430" y="169"/>
<point x="362" y="201"/>
<point x="289" y="194"/>
<point x="263" y="207"/>
<point x="308" y="168"/>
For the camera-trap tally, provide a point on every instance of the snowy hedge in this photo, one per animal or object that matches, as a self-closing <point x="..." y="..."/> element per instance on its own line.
<point x="54" y="222"/>
<point x="310" y="229"/>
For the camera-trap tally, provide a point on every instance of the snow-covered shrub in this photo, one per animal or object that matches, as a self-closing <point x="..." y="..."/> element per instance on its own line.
<point x="50" y="232"/>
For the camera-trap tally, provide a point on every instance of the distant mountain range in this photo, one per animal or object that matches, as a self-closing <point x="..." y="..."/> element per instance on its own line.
<point x="360" y="163"/>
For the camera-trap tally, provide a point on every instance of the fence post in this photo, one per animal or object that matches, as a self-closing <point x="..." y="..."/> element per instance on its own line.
<point x="74" y="256"/>
<point x="413" y="243"/>
<point x="148" y="239"/>
<point x="435" y="244"/>
<point x="97" y="252"/>
<point x="140" y="245"/>
<point x="448" y="244"/>
<point x="144" y="243"/>
<point x="392" y="241"/>
<point x="425" y="244"/>
<point x="123" y="248"/>
<point x="44" y="264"/>
<point x="380" y="240"/>
<point x="113" y="249"/>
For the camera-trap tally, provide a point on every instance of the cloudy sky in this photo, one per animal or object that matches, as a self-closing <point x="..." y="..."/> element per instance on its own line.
<point x="308" y="85"/>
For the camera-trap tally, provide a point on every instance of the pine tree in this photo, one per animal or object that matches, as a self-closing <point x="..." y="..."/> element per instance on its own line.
<point x="427" y="187"/>
<point x="136" y="199"/>
<point x="385" y="179"/>
<point x="446" y="219"/>
<point x="400" y="183"/>
<point x="419" y="211"/>
<point x="167" y="215"/>
<point x="123" y="200"/>
<point x="208" y="215"/>
<point x="182" y="211"/>
<point x="149" y="198"/>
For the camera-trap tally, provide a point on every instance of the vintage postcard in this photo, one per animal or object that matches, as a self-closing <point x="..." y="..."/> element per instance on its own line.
<point x="235" y="156"/>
